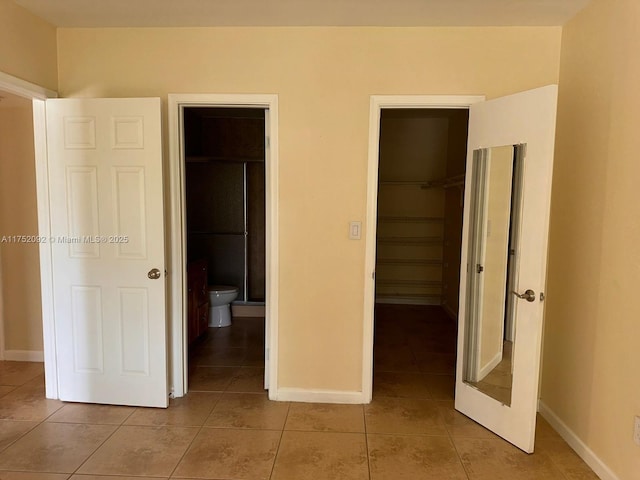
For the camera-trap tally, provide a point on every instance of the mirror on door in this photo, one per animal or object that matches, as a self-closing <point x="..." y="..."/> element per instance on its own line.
<point x="493" y="266"/>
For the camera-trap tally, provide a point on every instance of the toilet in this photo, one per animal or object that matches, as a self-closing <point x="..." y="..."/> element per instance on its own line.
<point x="220" y="298"/>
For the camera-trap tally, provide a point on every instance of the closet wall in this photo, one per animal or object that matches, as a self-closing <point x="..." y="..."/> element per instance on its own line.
<point x="421" y="167"/>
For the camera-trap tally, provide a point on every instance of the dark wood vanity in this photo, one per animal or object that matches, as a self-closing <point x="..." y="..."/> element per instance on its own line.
<point x="197" y="299"/>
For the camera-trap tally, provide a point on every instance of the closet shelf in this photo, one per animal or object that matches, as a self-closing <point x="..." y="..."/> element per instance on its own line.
<point x="409" y="219"/>
<point x="447" y="182"/>
<point x="408" y="296"/>
<point x="410" y="240"/>
<point x="207" y="159"/>
<point x="239" y="234"/>
<point x="408" y="283"/>
<point x="408" y="261"/>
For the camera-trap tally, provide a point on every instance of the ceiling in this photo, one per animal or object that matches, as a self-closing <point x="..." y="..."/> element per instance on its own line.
<point x="193" y="13"/>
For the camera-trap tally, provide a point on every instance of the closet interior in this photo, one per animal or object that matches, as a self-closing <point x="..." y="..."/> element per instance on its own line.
<point x="420" y="204"/>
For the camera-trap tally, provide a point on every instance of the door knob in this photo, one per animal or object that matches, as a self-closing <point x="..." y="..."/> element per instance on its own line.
<point x="529" y="295"/>
<point x="154" y="274"/>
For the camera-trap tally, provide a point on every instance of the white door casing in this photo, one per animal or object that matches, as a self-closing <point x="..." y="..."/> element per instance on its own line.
<point x="176" y="201"/>
<point x="524" y="118"/>
<point x="106" y="235"/>
<point x="377" y="103"/>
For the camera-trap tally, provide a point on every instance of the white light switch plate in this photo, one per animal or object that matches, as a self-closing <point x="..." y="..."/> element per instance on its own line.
<point x="355" y="230"/>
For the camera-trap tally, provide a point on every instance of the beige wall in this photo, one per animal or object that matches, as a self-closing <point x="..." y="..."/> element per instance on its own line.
<point x="592" y="327"/>
<point x="27" y="51"/>
<point x="324" y="78"/>
<point x="27" y="46"/>
<point x="19" y="262"/>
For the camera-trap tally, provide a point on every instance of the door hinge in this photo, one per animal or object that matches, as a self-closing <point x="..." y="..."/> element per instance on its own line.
<point x="479" y="268"/>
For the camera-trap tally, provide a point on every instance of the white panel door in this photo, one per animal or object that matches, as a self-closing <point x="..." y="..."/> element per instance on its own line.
<point x="527" y="120"/>
<point x="106" y="196"/>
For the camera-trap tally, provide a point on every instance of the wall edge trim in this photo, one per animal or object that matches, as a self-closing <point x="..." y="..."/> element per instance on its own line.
<point x="590" y="458"/>
<point x="24" y="355"/>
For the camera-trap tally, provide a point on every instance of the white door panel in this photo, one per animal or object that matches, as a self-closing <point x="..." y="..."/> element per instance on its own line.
<point x="105" y="174"/>
<point x="528" y="120"/>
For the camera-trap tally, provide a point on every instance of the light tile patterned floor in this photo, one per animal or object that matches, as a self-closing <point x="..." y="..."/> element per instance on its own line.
<point x="226" y="428"/>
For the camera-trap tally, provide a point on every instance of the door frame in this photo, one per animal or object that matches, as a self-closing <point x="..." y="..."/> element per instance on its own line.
<point x="178" y="340"/>
<point x="377" y="104"/>
<point x="38" y="95"/>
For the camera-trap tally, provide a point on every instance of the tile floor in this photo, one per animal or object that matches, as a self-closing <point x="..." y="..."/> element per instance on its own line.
<point x="226" y="428"/>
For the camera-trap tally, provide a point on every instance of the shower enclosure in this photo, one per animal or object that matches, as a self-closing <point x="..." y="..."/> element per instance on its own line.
<point x="225" y="196"/>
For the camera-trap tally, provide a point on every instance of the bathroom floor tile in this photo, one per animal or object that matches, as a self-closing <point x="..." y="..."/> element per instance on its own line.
<point x="19" y="373"/>
<point x="321" y="456"/>
<point x="403" y="416"/>
<point x="10" y="431"/>
<point x="425" y="457"/>
<point x="247" y="379"/>
<point x="495" y="459"/>
<point x="190" y="410"/>
<point x="211" y="379"/>
<point x="230" y="454"/>
<point x="325" y="417"/>
<point x="54" y="447"/>
<point x="27" y="403"/>
<point x="254" y="357"/>
<point x="248" y="410"/>
<point x="137" y="451"/>
<point x="91" y="413"/>
<point x="218" y="357"/>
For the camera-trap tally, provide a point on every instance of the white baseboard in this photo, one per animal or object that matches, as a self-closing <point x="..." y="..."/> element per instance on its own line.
<point x="24" y="355"/>
<point x="316" y="396"/>
<point x="488" y="368"/>
<point x="583" y="451"/>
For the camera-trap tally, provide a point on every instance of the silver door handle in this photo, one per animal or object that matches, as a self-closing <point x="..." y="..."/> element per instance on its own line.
<point x="154" y="274"/>
<point x="529" y="295"/>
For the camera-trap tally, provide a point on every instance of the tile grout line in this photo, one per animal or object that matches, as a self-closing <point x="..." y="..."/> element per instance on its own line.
<point x="366" y="440"/>
<point x="186" y="450"/>
<point x="38" y="423"/>
<point x="100" y="445"/>
<point x="455" y="447"/>
<point x="275" y="458"/>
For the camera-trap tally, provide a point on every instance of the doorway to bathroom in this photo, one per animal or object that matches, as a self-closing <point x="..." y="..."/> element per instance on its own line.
<point x="421" y="170"/>
<point x="224" y="165"/>
<point x="224" y="205"/>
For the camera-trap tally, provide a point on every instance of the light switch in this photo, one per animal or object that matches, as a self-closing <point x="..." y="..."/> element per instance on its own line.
<point x="355" y="230"/>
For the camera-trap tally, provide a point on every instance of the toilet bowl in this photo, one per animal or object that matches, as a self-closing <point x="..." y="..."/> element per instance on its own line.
<point x="220" y="298"/>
